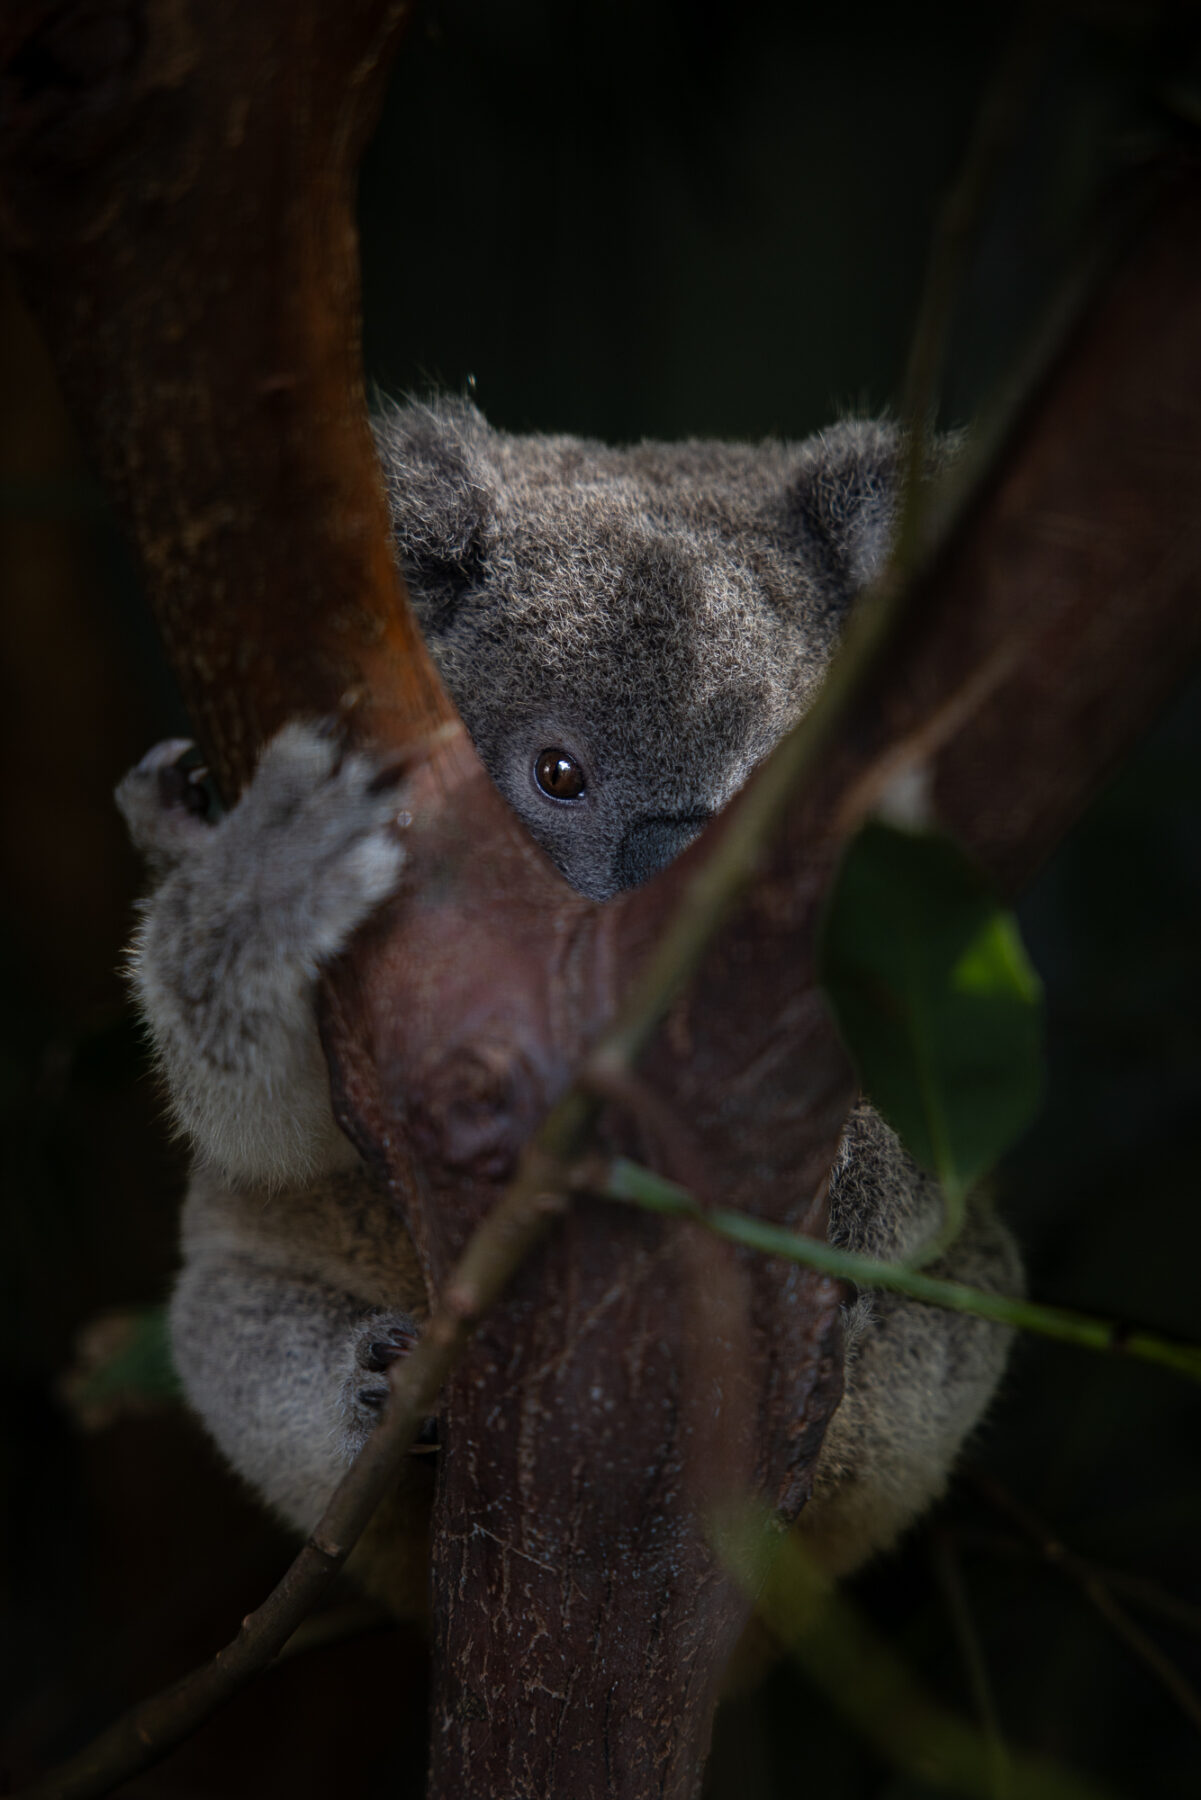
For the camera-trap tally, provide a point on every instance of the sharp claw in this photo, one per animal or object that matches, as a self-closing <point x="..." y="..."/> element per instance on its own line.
<point x="178" y="787"/>
<point x="385" y="1351"/>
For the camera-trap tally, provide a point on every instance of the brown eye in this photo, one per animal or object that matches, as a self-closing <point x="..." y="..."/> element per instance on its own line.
<point x="559" y="775"/>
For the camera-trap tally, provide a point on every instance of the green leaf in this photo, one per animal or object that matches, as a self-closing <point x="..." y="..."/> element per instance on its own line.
<point x="934" y="999"/>
<point x="125" y="1359"/>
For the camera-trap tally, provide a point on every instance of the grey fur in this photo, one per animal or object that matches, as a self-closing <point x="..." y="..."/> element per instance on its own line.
<point x="230" y="942"/>
<point x="663" y="614"/>
<point x="281" y="1296"/>
<point x="917" y="1379"/>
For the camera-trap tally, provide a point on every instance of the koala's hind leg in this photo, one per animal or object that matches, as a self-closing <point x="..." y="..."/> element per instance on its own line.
<point x="918" y="1378"/>
<point x="286" y="1316"/>
<point x="226" y="956"/>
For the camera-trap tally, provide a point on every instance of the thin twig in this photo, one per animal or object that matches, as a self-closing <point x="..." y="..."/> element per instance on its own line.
<point x="861" y="1675"/>
<point x="620" y="1179"/>
<point x="1095" y="1587"/>
<point x="1141" y="1645"/>
<point x="1150" y="1597"/>
<point x="950" y="1580"/>
<point x="1140" y="1591"/>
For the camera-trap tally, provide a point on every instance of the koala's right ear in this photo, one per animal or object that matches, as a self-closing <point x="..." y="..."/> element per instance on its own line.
<point x="440" y="490"/>
<point x="844" y="489"/>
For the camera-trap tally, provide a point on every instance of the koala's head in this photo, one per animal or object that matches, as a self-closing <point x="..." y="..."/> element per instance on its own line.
<point x="626" y="633"/>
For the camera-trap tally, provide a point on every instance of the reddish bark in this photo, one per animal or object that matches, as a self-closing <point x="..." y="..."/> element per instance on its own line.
<point x="177" y="195"/>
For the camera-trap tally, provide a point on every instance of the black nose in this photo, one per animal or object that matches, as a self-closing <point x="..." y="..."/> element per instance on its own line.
<point x="652" y="843"/>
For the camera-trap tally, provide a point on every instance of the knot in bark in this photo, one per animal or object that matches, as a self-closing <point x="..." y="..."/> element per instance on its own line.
<point x="477" y="1105"/>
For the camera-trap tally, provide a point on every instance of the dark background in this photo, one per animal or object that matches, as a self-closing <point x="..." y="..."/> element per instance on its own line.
<point x="653" y="219"/>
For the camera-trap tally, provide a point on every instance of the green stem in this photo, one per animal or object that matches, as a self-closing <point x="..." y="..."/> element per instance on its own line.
<point x="624" y="1180"/>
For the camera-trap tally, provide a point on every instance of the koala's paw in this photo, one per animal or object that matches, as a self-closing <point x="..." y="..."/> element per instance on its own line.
<point x="385" y="1341"/>
<point x="165" y="803"/>
<point x="315" y="834"/>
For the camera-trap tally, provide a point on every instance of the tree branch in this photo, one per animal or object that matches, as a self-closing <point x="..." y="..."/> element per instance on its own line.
<point x="193" y="165"/>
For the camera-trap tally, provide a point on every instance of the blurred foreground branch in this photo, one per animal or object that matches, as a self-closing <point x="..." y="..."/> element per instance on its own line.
<point x="868" y="1683"/>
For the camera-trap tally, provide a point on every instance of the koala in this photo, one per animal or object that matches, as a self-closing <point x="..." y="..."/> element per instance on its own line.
<point x="626" y="633"/>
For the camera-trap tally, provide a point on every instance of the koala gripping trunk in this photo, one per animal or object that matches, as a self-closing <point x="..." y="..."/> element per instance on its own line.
<point x="637" y="1378"/>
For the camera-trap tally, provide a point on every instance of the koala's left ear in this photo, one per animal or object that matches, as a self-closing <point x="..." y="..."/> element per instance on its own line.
<point x="440" y="488"/>
<point x="843" y="492"/>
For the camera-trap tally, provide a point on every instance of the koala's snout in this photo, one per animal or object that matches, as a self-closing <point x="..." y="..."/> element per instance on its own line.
<point x="651" y="844"/>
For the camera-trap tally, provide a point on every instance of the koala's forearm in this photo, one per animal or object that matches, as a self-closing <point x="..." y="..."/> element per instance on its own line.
<point x="231" y="942"/>
<point x="239" y="1053"/>
<point x="286" y="1313"/>
<point x="264" y="1360"/>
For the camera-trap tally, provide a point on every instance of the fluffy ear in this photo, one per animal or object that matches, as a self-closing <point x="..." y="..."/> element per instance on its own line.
<point x="440" y="491"/>
<point x="844" y="490"/>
